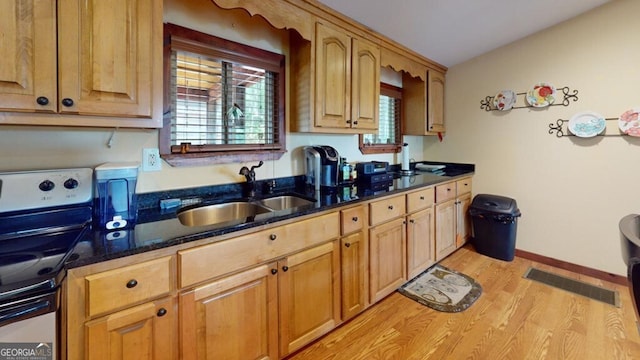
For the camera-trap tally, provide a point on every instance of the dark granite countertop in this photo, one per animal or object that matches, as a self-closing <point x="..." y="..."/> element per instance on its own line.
<point x="158" y="228"/>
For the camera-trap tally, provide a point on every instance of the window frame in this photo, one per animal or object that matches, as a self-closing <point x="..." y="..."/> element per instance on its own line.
<point x="396" y="93"/>
<point x="189" y="40"/>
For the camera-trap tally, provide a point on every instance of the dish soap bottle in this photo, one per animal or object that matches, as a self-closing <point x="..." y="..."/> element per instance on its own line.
<point x="345" y="169"/>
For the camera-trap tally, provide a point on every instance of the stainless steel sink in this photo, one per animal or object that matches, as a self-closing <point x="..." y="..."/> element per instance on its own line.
<point x="237" y="211"/>
<point x="283" y="202"/>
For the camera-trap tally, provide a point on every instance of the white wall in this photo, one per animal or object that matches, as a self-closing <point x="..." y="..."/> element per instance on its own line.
<point x="571" y="191"/>
<point x="26" y="148"/>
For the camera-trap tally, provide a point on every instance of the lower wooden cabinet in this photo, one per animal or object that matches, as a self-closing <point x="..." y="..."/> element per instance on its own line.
<point x="463" y="223"/>
<point x="387" y="258"/>
<point x="266" y="312"/>
<point x="420" y="242"/>
<point x="309" y="290"/>
<point x="232" y="318"/>
<point x="445" y="229"/>
<point x="146" y="331"/>
<point x="353" y="272"/>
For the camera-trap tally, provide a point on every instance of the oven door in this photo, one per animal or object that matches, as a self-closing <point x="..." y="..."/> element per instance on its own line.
<point x="30" y="324"/>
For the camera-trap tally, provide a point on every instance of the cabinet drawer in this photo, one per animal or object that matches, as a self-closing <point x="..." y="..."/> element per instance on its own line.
<point x="463" y="186"/>
<point x="419" y="200"/>
<point x="210" y="261"/>
<point x="352" y="220"/>
<point x="128" y="285"/>
<point x="445" y="192"/>
<point x="386" y="209"/>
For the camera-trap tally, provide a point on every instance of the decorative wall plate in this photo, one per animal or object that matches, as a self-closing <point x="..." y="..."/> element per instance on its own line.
<point x="629" y="122"/>
<point x="504" y="100"/>
<point x="543" y="94"/>
<point x="587" y="124"/>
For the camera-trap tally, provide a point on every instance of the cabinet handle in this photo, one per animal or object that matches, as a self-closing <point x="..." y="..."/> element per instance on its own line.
<point x="390" y="207"/>
<point x="272" y="237"/>
<point x="347" y="244"/>
<point x="67" y="102"/>
<point x="274" y="271"/>
<point x="355" y="219"/>
<point x="42" y="100"/>
<point x="162" y="312"/>
<point x="132" y="283"/>
<point x="285" y="268"/>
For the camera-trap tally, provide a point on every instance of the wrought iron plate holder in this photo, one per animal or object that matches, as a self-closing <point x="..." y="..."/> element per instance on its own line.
<point x="487" y="103"/>
<point x="560" y="129"/>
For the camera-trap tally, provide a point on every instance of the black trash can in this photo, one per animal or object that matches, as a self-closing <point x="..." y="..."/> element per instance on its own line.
<point x="494" y="223"/>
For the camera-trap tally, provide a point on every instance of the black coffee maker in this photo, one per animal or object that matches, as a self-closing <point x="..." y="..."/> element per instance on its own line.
<point x="321" y="164"/>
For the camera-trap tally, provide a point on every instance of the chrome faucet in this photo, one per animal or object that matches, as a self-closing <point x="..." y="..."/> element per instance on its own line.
<point x="250" y="175"/>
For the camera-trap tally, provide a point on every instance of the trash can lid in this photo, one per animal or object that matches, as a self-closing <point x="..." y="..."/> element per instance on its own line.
<point x="494" y="204"/>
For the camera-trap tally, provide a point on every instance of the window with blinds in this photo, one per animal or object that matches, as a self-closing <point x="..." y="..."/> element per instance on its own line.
<point x="224" y="97"/>
<point x="388" y="138"/>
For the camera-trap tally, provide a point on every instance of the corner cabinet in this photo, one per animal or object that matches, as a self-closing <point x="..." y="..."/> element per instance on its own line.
<point x="423" y="103"/>
<point x="337" y="85"/>
<point x="452" y="223"/>
<point x="104" y="62"/>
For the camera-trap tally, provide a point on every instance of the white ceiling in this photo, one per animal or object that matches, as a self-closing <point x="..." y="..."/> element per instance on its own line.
<point x="452" y="31"/>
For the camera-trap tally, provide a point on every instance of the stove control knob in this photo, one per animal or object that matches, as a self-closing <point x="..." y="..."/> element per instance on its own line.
<point x="47" y="185"/>
<point x="71" y="183"/>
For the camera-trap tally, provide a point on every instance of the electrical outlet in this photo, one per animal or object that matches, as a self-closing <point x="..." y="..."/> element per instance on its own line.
<point x="151" y="160"/>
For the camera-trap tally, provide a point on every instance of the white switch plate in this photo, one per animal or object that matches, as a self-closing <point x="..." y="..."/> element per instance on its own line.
<point x="151" y="160"/>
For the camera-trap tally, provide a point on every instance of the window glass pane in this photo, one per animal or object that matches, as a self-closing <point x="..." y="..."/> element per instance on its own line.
<point x="387" y="123"/>
<point x="222" y="103"/>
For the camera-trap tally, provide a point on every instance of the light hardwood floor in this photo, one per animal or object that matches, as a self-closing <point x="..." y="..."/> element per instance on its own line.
<point x="514" y="318"/>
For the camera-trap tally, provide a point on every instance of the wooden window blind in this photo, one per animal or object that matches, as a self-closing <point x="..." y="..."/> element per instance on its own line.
<point x="223" y="97"/>
<point x="388" y="137"/>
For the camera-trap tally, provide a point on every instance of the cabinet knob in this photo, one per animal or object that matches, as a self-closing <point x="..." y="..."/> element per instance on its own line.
<point x="421" y="197"/>
<point x="42" y="100"/>
<point x="285" y="268"/>
<point x="448" y="189"/>
<point x="67" y="102"/>
<point x="274" y="271"/>
<point x="390" y="207"/>
<point x="347" y="244"/>
<point x="355" y="219"/>
<point x="272" y="237"/>
<point x="161" y="312"/>
<point x="132" y="283"/>
<point x="355" y="122"/>
<point x="412" y="221"/>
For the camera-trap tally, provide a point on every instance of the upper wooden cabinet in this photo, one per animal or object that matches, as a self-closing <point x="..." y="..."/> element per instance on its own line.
<point x="423" y="103"/>
<point x="105" y="62"/>
<point x="336" y="85"/>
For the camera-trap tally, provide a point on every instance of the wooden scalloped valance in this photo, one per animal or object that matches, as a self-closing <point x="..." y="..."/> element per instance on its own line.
<point x="280" y="14"/>
<point x="401" y="63"/>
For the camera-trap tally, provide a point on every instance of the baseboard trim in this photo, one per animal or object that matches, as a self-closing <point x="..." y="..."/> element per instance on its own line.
<point x="579" y="269"/>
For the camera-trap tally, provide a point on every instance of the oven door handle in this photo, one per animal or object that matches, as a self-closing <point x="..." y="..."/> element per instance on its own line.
<point x="27" y="308"/>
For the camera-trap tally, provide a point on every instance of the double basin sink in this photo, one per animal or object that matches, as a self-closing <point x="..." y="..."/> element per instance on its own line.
<point x="239" y="211"/>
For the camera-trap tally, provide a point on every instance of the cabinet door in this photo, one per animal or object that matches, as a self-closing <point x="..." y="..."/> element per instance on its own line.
<point x="353" y="257"/>
<point x="435" y="107"/>
<point x="365" y="85"/>
<point x="387" y="258"/>
<point x="232" y="318"/>
<point x="28" y="61"/>
<point x="463" y="225"/>
<point x="106" y="56"/>
<point x="147" y="331"/>
<point x="445" y="229"/>
<point x="333" y="77"/>
<point x="420" y="242"/>
<point x="309" y="289"/>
